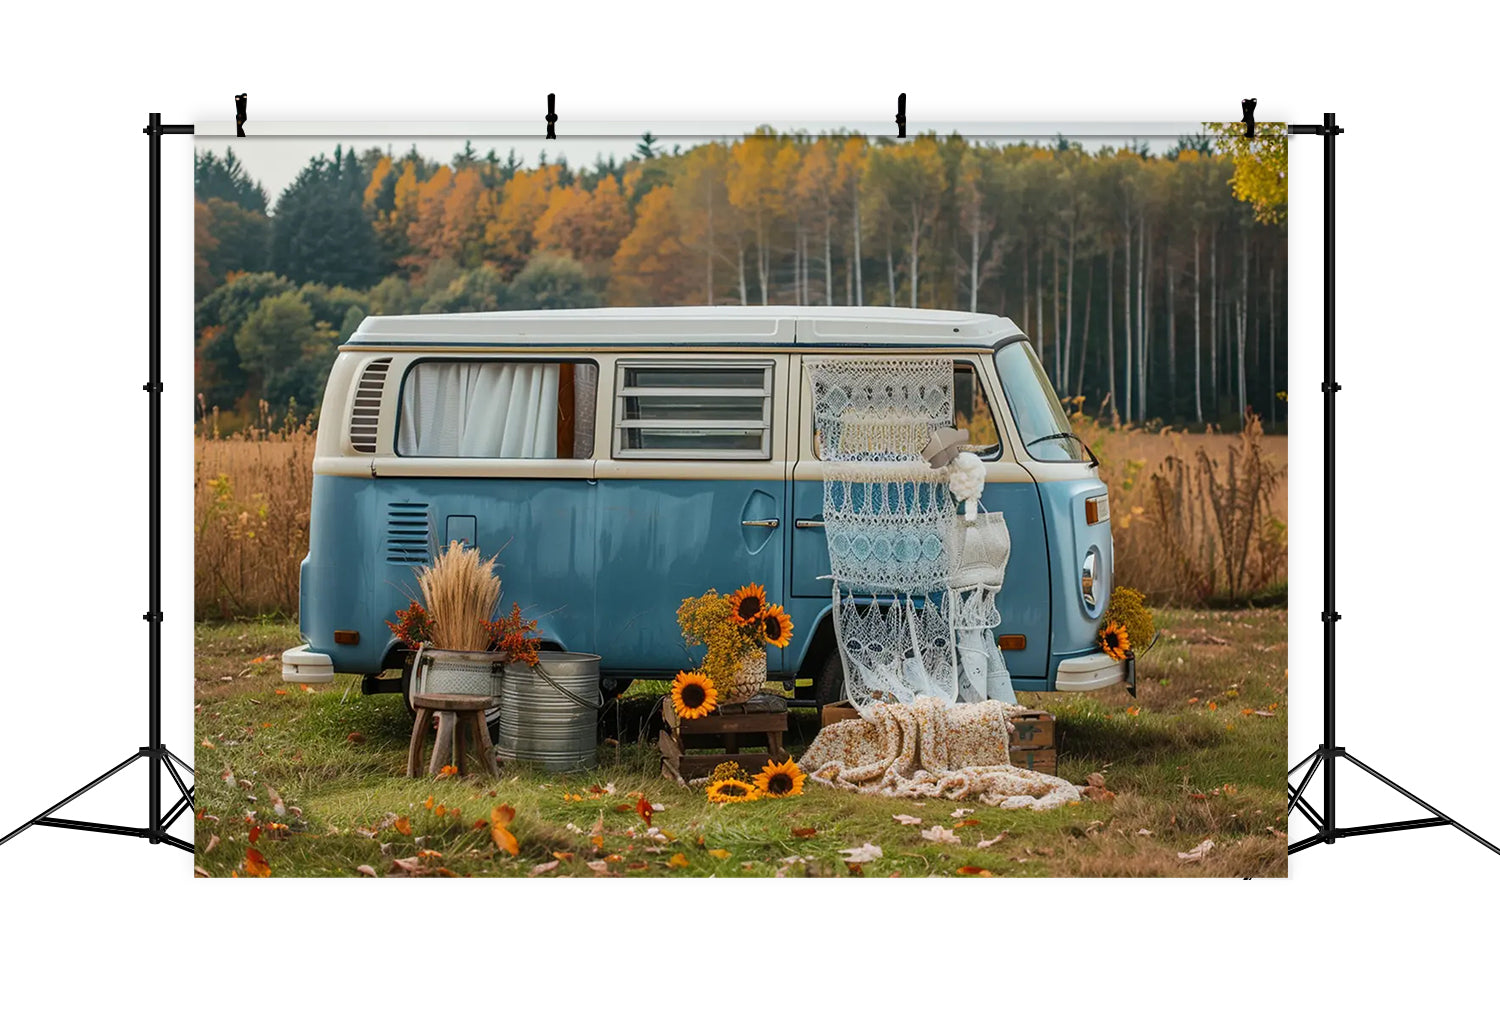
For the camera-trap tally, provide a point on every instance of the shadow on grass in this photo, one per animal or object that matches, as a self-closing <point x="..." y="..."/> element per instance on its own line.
<point x="1087" y="733"/>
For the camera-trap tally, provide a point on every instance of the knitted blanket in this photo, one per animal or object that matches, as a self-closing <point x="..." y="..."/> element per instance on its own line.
<point x="930" y="749"/>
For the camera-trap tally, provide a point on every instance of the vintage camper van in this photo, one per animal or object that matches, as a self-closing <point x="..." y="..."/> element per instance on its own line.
<point x="621" y="459"/>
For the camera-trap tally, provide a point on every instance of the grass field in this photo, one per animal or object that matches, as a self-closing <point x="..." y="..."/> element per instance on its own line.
<point x="1199" y="754"/>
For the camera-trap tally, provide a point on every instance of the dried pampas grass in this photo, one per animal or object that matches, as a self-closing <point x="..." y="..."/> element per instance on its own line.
<point x="460" y="592"/>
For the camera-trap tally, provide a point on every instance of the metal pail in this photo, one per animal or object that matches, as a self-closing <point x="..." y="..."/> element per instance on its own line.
<point x="549" y="714"/>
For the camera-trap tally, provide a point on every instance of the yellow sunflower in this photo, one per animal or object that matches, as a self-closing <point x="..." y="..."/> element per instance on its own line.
<point x="732" y="791"/>
<point x="747" y="604"/>
<point x="694" y="695"/>
<point x="776" y="627"/>
<point x="777" y="780"/>
<point x="1115" y="641"/>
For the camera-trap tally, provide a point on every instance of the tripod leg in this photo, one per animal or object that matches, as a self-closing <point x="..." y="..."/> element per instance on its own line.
<point x="75" y="795"/>
<point x="186" y="792"/>
<point x="185" y="766"/>
<point x="1299" y="764"/>
<point x="1422" y="803"/>
<point x="1296" y="798"/>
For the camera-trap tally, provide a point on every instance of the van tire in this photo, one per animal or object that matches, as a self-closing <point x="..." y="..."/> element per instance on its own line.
<point x="828" y="684"/>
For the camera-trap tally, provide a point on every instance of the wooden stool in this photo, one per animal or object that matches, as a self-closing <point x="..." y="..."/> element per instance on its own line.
<point x="456" y="713"/>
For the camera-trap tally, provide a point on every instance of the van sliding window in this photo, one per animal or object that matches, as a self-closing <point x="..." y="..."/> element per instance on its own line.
<point x="682" y="410"/>
<point x="498" y="409"/>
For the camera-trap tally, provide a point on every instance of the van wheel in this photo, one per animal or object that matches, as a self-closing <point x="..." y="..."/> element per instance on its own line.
<point x="828" y="684"/>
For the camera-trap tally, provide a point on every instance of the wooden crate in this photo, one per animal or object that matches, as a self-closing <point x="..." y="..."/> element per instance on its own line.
<point x="1038" y="760"/>
<point x="759" y="724"/>
<point x="1035" y="730"/>
<point x="837" y="712"/>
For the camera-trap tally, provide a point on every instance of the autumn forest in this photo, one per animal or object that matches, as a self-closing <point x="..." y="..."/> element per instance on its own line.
<point x="1152" y="284"/>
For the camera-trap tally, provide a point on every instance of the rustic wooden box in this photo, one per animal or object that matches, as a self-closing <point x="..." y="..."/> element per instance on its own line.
<point x="759" y="724"/>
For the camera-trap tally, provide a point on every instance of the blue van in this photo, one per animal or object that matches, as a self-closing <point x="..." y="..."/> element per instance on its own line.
<point x="619" y="460"/>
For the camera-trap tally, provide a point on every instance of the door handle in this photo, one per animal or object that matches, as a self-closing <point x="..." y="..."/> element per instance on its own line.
<point x="809" y="524"/>
<point x="769" y="524"/>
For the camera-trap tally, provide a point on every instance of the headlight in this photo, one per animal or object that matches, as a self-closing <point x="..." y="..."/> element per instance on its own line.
<point x="1089" y="581"/>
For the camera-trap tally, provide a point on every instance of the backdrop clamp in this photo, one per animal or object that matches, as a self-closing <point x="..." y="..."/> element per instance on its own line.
<point x="901" y="116"/>
<point x="552" y="115"/>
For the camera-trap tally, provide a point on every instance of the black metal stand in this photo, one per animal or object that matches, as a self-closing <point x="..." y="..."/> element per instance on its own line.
<point x="1328" y="754"/>
<point x="156" y="753"/>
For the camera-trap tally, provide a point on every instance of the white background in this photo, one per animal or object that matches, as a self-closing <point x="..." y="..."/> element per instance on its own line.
<point x="1377" y="927"/>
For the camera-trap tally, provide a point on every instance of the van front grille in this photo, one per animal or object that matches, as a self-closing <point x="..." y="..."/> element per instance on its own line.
<point x="408" y="533"/>
<point x="364" y="418"/>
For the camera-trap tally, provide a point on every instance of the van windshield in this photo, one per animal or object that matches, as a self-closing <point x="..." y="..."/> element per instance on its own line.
<point x="1039" y="415"/>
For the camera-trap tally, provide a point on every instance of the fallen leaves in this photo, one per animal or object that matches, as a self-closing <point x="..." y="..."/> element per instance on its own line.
<point x="1096" y="790"/>
<point x="403" y="825"/>
<point x="967" y="823"/>
<point x="862" y="854"/>
<point x="985" y="844"/>
<point x="1198" y="852"/>
<point x="213" y="841"/>
<point x="643" y="808"/>
<point x="542" y="869"/>
<point x="500" y="817"/>
<point x="905" y="819"/>
<point x="256" y="865"/>
<point x="975" y="872"/>
<point x="355" y="738"/>
<point x="721" y="854"/>
<point x="366" y="870"/>
<point x="677" y="860"/>
<point x="804" y="833"/>
<point x="962" y="812"/>
<point x="939" y="834"/>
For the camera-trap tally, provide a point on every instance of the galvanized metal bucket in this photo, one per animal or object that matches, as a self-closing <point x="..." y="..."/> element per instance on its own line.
<point x="549" y="713"/>
<point x="475" y="673"/>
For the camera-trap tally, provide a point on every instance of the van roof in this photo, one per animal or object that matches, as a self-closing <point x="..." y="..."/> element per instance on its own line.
<point x="625" y="326"/>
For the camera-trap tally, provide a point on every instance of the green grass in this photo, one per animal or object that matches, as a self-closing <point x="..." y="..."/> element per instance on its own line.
<point x="1184" y="770"/>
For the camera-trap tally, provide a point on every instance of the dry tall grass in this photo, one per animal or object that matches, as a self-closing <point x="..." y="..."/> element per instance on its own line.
<point x="460" y="593"/>
<point x="251" y="496"/>
<point x="1197" y="518"/>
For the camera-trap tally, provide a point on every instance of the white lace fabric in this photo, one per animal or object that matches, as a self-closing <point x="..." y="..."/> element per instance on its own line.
<point x="914" y="587"/>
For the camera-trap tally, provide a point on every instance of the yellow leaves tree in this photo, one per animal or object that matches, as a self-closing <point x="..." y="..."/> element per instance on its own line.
<point x="704" y="213"/>
<point x="651" y="266"/>
<point x="1259" y="166"/>
<point x="586" y="225"/>
<point x="510" y="236"/>
<point x="751" y="185"/>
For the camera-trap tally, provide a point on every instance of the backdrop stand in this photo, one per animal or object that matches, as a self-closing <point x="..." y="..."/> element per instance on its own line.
<point x="1329" y="752"/>
<point x="160" y="758"/>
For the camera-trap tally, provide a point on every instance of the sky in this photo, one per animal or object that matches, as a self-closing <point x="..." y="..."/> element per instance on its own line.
<point x="275" y="160"/>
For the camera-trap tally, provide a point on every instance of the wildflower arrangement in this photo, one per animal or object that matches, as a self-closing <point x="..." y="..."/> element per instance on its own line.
<point x="779" y="780"/>
<point x="732" y="627"/>
<point x="460" y="592"/>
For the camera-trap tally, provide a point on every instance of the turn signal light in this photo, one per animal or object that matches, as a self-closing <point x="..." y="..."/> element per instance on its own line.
<point x="1096" y="510"/>
<point x="1012" y="641"/>
<point x="346" y="636"/>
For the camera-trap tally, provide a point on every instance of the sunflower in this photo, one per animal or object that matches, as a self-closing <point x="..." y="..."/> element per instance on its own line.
<point x="729" y="770"/>
<point x="732" y="791"/>
<point x="776" y="627"/>
<point x="747" y="604"/>
<point x="1115" y="641"/>
<point x="777" y="780"/>
<point x="694" y="695"/>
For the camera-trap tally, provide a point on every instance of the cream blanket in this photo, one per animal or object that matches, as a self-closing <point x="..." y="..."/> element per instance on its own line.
<point x="931" y="749"/>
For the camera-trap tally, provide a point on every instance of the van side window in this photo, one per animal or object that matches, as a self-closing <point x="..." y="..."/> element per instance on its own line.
<point x="972" y="412"/>
<point x="497" y="409"/>
<point x="675" y="409"/>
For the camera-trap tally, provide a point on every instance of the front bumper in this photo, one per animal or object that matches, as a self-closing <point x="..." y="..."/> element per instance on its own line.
<point x="300" y="665"/>
<point x="1090" y="672"/>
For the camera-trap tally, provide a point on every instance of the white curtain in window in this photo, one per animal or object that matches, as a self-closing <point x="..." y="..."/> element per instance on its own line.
<point x="480" y="410"/>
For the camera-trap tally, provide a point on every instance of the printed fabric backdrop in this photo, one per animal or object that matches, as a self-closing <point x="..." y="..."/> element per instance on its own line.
<point x="1102" y="308"/>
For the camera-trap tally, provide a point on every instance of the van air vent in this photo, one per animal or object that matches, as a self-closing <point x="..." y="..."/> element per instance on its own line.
<point x="408" y="533"/>
<point x="364" y="418"/>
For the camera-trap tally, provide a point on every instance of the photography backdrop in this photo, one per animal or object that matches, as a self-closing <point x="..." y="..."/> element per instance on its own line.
<point x="1147" y="264"/>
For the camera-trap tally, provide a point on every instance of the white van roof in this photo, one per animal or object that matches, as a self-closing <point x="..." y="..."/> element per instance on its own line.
<point x="629" y="326"/>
